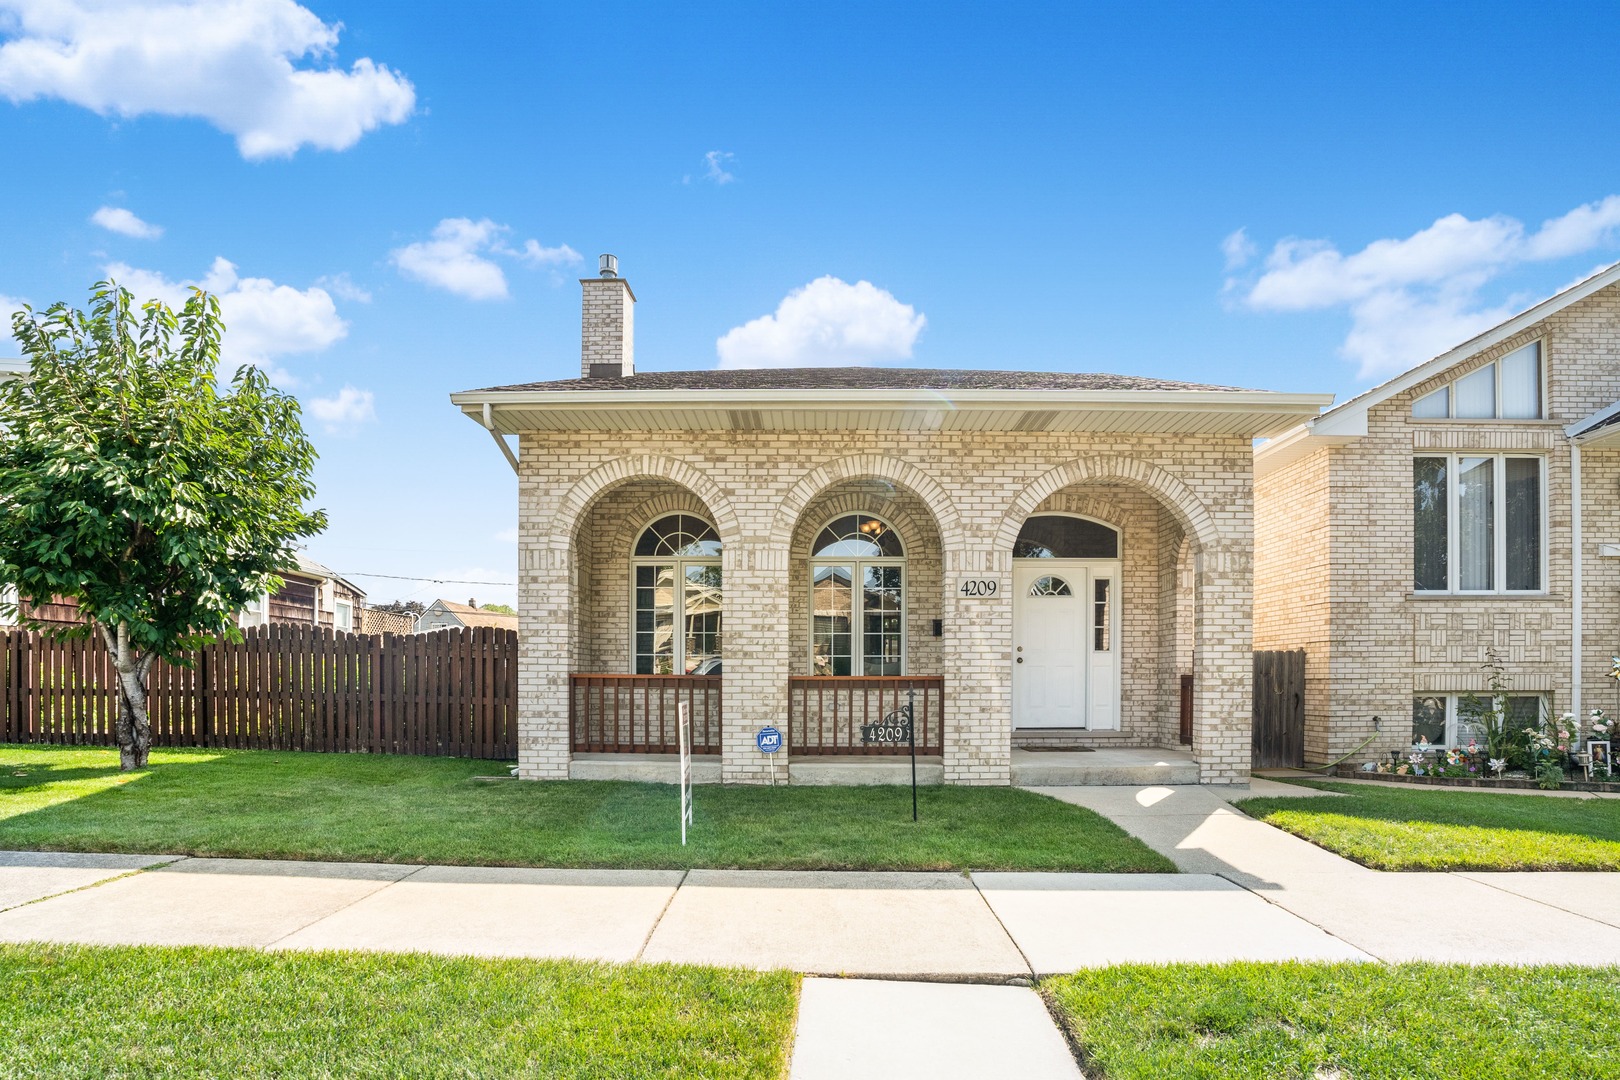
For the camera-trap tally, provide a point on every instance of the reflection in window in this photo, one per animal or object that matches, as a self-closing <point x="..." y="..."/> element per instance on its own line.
<point x="857" y="599"/>
<point x="1050" y="586"/>
<point x="678" y="616"/>
<point x="1058" y="536"/>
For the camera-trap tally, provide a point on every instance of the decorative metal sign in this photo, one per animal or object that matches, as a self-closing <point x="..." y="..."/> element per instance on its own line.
<point x="892" y="730"/>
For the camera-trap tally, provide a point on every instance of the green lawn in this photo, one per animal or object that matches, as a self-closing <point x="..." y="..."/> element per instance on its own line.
<point x="1428" y="829"/>
<point x="74" y="1011"/>
<point x="1342" y="1021"/>
<point x="377" y="808"/>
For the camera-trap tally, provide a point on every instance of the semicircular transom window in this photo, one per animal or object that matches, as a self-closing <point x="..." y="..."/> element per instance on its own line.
<point x="858" y="536"/>
<point x="1058" y="536"/>
<point x="1050" y="586"/>
<point x="679" y="535"/>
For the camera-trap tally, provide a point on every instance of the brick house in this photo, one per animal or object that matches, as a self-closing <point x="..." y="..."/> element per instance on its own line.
<point x="1462" y="508"/>
<point x="1038" y="557"/>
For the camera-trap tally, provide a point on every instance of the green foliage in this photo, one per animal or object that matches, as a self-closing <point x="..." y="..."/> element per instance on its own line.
<point x="504" y="609"/>
<point x="1549" y="775"/>
<point x="132" y="483"/>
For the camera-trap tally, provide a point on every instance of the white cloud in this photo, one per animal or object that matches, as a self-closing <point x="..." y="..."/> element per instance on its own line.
<point x="1411" y="299"/>
<point x="458" y="258"/>
<point x="536" y="255"/>
<point x="263" y="320"/>
<point x="234" y="64"/>
<point x="9" y="306"/>
<point x="117" y="219"/>
<point x="827" y="322"/>
<point x="1238" y="249"/>
<point x="344" y="411"/>
<point x="507" y="536"/>
<point x="343" y="287"/>
<point x="717" y="166"/>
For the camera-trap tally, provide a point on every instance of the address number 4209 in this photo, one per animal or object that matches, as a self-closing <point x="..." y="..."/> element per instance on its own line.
<point x="978" y="587"/>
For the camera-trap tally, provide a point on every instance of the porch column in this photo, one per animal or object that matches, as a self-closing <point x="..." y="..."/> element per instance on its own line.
<point x="546" y="650"/>
<point x="977" y="651"/>
<point x="755" y="670"/>
<point x="1223" y="663"/>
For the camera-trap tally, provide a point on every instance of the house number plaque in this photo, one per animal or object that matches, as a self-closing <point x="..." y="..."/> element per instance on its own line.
<point x="978" y="587"/>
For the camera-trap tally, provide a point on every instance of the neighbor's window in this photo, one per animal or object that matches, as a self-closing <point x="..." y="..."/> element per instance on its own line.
<point x="678" y="611"/>
<point x="1505" y="389"/>
<point x="857" y="598"/>
<point x="1452" y="719"/>
<point x="1477" y="523"/>
<point x="343" y="615"/>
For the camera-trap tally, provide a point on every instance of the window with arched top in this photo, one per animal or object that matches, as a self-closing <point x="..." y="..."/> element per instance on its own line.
<point x="1050" y="586"/>
<point x="857" y="598"/>
<point x="677" y="610"/>
<point x="1061" y="536"/>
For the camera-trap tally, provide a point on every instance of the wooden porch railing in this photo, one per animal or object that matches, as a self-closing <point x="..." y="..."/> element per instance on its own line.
<point x="860" y="714"/>
<point x="636" y="714"/>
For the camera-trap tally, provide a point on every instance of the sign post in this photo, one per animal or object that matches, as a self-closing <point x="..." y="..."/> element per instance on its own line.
<point x="911" y="736"/>
<point x="683" y="713"/>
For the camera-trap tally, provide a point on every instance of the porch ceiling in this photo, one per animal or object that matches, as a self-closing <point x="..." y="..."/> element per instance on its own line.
<point x="1252" y="414"/>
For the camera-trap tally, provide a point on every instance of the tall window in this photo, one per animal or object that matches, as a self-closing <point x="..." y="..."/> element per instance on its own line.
<point x="678" y="610"/>
<point x="857" y="598"/>
<point x="1505" y="389"/>
<point x="1477" y="523"/>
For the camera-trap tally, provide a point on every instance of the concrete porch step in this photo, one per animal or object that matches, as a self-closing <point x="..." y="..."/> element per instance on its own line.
<point x="1130" y="767"/>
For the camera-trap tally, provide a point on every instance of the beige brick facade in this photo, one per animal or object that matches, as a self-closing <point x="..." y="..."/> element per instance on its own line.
<point x="958" y="499"/>
<point x="1334" y="562"/>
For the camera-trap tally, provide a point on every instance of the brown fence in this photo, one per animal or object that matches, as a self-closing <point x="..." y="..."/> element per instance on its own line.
<point x="637" y="714"/>
<point x="862" y="714"/>
<point x="1279" y="709"/>
<point x="448" y="693"/>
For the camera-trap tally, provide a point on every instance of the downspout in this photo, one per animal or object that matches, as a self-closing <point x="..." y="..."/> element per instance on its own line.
<point x="1575" y="635"/>
<point x="500" y="441"/>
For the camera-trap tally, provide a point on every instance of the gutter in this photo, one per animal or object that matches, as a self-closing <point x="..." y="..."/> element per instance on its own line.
<point x="1576" y="636"/>
<point x="500" y="440"/>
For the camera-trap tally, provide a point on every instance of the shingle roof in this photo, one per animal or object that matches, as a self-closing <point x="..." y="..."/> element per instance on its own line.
<point x="860" y="378"/>
<point x="475" y="616"/>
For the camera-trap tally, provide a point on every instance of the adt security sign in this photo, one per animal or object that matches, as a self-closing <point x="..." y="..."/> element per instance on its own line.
<point x="769" y="740"/>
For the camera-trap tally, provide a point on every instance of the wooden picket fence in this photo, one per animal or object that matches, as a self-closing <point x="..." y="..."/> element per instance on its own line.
<point x="449" y="693"/>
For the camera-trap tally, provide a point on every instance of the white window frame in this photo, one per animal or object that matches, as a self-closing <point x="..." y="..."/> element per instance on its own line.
<point x="1454" y="702"/>
<point x="340" y="609"/>
<point x="1499" y="524"/>
<point x="1450" y="387"/>
<point x="857" y="635"/>
<point x="681" y="563"/>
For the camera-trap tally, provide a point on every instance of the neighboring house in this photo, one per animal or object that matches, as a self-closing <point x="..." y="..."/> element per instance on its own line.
<point x="311" y="595"/>
<point x="1046" y="552"/>
<point x="1464" y="508"/>
<point x="444" y="614"/>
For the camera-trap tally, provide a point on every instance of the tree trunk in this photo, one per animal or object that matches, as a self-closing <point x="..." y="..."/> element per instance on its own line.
<point x="134" y="723"/>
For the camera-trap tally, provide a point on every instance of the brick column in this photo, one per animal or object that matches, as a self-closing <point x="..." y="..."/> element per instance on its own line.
<point x="1223" y="665"/>
<point x="977" y="650"/>
<point x="756" y="667"/>
<point x="547" y="598"/>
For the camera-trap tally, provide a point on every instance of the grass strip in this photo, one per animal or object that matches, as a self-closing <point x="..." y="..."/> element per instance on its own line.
<point x="379" y="808"/>
<point x="1429" y="829"/>
<point x="1341" y="1022"/>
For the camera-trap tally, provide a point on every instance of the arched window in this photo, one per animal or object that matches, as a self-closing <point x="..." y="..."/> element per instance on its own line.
<point x="857" y="598"/>
<point x="677" y="611"/>
<point x="1050" y="585"/>
<point x="1059" y="536"/>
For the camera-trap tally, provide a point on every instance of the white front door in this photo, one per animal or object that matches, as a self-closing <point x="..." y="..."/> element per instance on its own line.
<point x="1065" y="644"/>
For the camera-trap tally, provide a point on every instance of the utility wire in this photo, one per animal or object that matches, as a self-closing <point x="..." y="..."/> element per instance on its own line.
<point x="434" y="580"/>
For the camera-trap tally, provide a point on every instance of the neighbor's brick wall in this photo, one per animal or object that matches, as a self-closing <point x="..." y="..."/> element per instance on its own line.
<point x="978" y="486"/>
<point x="1386" y="643"/>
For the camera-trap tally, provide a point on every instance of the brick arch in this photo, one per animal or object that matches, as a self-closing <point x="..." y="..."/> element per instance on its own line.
<point x="866" y="467"/>
<point x="914" y="531"/>
<point x="649" y="510"/>
<point x="1175" y="496"/>
<point x="577" y="500"/>
<point x="1089" y="504"/>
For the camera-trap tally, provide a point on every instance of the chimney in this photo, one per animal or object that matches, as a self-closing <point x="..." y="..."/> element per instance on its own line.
<point x="607" y="325"/>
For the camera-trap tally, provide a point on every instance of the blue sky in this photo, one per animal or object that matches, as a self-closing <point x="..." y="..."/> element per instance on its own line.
<point x="1276" y="196"/>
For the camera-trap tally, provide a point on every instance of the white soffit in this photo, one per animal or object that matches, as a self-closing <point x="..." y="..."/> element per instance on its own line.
<point x="1251" y="414"/>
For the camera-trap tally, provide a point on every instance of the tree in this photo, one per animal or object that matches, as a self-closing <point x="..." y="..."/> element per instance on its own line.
<point x="504" y="609"/>
<point x="131" y="481"/>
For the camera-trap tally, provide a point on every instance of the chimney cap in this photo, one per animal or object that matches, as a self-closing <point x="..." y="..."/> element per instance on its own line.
<point x="609" y="265"/>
